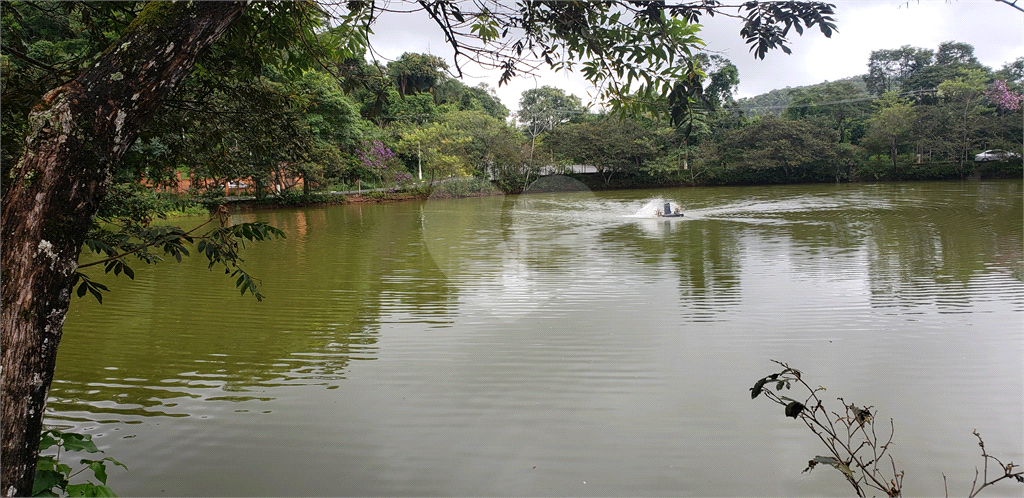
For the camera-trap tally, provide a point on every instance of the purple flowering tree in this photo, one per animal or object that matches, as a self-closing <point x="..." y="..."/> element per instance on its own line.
<point x="1004" y="98"/>
<point x="380" y="160"/>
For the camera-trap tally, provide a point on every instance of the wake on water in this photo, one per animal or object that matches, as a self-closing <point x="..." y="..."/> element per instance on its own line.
<point x="653" y="207"/>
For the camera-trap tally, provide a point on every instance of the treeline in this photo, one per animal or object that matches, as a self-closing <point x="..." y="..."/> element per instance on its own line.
<point x="274" y="113"/>
<point x="918" y="114"/>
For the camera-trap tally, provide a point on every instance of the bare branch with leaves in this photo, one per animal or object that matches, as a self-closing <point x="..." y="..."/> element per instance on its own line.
<point x="855" y="448"/>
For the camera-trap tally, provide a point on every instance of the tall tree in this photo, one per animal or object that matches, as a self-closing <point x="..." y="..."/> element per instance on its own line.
<point x="80" y="130"/>
<point x="414" y="73"/>
<point x="953" y="53"/>
<point x="961" y="97"/>
<point x="952" y="59"/>
<point x="1013" y="72"/>
<point x="541" y="109"/>
<point x="891" y="125"/>
<point x="889" y="69"/>
<point x="720" y="82"/>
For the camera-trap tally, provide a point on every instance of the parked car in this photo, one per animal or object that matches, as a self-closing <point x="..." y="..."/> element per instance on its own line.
<point x="995" y="155"/>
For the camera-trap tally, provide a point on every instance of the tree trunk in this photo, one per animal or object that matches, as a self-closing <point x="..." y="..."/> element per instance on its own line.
<point x="893" y="154"/>
<point x="77" y="135"/>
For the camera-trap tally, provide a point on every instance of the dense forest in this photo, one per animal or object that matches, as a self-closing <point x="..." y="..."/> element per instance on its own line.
<point x="284" y="117"/>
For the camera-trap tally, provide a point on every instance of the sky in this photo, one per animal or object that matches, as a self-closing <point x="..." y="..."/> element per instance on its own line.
<point x="996" y="31"/>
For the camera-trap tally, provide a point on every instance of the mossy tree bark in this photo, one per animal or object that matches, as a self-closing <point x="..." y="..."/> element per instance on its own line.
<point x="78" y="134"/>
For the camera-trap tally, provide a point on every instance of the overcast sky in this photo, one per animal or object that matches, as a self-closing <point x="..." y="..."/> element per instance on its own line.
<point x="995" y="29"/>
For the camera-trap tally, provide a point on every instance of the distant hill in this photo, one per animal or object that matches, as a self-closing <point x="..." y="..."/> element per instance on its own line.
<point x="776" y="101"/>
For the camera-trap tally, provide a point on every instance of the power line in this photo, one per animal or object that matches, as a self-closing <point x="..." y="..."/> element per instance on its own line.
<point x="838" y="102"/>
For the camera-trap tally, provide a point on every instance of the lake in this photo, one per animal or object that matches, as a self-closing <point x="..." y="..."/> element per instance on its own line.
<point x="566" y="343"/>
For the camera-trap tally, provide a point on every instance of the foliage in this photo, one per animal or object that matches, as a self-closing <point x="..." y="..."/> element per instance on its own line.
<point x="440" y="146"/>
<point x="117" y="238"/>
<point x="463" y="187"/>
<point x="961" y="98"/>
<point x="382" y="163"/>
<point x="854" y="446"/>
<point x="634" y="53"/>
<point x="1012" y="72"/>
<point x="43" y="45"/>
<point x="53" y="477"/>
<point x="480" y="98"/>
<point x="334" y="125"/>
<point x="951" y="53"/>
<point x="294" y="199"/>
<point x="889" y="69"/>
<point x="775" y="102"/>
<point x="786" y="150"/>
<point x="1000" y="169"/>
<point x="494" y="147"/>
<point x="841" y="104"/>
<point x="722" y="80"/>
<point x="541" y="109"/>
<point x="890" y="126"/>
<point x="610" y="144"/>
<point x="415" y="73"/>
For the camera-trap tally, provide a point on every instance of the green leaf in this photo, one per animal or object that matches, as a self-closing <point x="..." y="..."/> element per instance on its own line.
<point x="103" y="491"/>
<point x="794" y="408"/>
<point x="115" y="462"/>
<point x="45" y="481"/>
<point x="99" y="469"/>
<point x="95" y="293"/>
<point x="46" y="463"/>
<point x="758" y="387"/>
<point x="86" y="489"/>
<point x="47" y="440"/>
<point x="78" y="442"/>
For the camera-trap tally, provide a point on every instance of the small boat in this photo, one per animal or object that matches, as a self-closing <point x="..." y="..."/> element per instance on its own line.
<point x="669" y="213"/>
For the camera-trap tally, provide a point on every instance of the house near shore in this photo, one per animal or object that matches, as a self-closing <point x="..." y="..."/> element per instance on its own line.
<point x="231" y="186"/>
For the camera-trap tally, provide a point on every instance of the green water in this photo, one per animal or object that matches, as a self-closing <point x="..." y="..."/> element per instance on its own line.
<point x="563" y="344"/>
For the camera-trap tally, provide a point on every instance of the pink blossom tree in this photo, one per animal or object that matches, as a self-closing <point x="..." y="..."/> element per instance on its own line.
<point x="1004" y="98"/>
<point x="380" y="160"/>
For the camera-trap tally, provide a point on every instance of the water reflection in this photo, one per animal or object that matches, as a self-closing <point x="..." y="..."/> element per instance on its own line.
<point x="566" y="331"/>
<point x="180" y="331"/>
